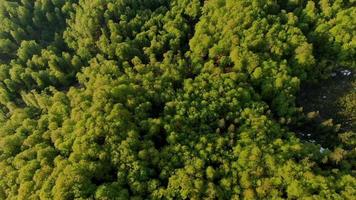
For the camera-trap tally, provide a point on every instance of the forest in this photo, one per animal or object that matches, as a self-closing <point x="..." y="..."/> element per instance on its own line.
<point x="175" y="99"/>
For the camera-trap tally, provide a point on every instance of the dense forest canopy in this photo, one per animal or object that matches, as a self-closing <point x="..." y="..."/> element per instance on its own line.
<point x="172" y="99"/>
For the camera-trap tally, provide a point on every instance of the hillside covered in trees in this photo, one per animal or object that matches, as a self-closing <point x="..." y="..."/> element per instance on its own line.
<point x="173" y="99"/>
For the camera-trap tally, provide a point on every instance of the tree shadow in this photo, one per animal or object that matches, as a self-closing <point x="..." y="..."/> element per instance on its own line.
<point x="323" y="99"/>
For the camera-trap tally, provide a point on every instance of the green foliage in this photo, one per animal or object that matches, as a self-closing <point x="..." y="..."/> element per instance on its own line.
<point x="169" y="99"/>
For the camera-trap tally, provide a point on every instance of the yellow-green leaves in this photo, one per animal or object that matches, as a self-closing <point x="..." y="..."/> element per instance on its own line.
<point x="168" y="99"/>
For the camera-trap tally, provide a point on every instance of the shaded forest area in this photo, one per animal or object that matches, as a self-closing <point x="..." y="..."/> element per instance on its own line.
<point x="334" y="98"/>
<point x="177" y="99"/>
<point x="330" y="102"/>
